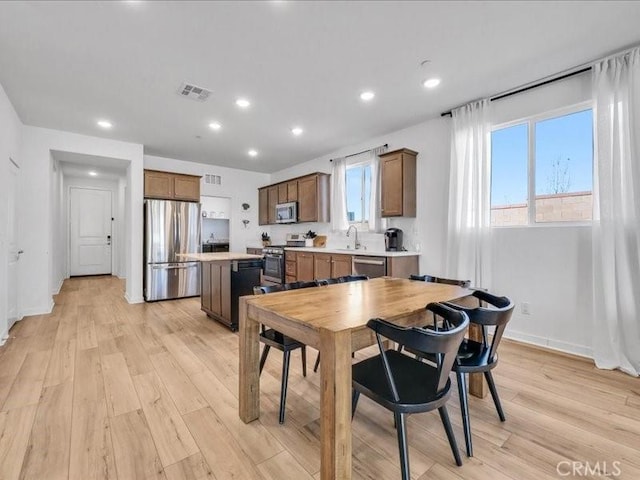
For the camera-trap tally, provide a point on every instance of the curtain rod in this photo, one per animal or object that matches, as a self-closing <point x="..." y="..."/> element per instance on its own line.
<point x="531" y="86"/>
<point x="358" y="153"/>
<point x="585" y="67"/>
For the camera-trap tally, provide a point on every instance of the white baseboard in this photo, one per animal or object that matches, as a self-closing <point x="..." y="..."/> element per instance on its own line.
<point x="28" y="312"/>
<point x="4" y="337"/>
<point x="133" y="299"/>
<point x="550" y="343"/>
<point x="56" y="291"/>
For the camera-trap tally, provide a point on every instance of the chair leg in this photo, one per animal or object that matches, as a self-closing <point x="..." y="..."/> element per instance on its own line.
<point x="494" y="394"/>
<point x="402" y="444"/>
<point x="317" y="364"/>
<point x="444" y="416"/>
<point x="263" y="358"/>
<point x="464" y="407"/>
<point x="304" y="361"/>
<point x="285" y="381"/>
<point x="354" y="402"/>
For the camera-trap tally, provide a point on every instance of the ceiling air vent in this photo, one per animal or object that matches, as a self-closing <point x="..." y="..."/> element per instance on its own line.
<point x="194" y="92"/>
<point x="213" y="179"/>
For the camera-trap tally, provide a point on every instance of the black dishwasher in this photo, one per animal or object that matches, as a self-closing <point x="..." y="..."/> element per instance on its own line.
<point x="245" y="274"/>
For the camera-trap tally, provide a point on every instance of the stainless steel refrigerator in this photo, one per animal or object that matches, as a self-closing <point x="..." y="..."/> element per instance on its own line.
<point x="170" y="228"/>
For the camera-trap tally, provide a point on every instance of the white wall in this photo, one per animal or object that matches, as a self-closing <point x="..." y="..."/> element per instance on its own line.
<point x="546" y="266"/>
<point x="240" y="186"/>
<point x="57" y="262"/>
<point x="117" y="244"/>
<point x="36" y="194"/>
<point x="10" y="144"/>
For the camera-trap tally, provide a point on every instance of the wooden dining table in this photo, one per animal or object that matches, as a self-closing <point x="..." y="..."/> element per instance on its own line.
<point x="332" y="319"/>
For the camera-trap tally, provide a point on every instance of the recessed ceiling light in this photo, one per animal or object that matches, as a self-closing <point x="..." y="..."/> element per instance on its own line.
<point x="215" y="126"/>
<point x="431" y="82"/>
<point x="104" y="124"/>
<point x="297" y="131"/>
<point x="243" y="102"/>
<point x="93" y="174"/>
<point x="366" y="96"/>
<point x="252" y="153"/>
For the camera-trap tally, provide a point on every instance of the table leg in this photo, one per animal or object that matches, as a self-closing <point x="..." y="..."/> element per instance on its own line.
<point x="335" y="405"/>
<point x="249" y="387"/>
<point x="477" y="385"/>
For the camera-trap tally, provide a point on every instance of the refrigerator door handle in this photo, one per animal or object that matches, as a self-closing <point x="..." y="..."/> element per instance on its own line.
<point x="172" y="267"/>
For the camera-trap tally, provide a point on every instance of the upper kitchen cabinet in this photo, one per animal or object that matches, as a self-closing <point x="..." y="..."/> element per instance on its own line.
<point x="311" y="192"/>
<point x="263" y="206"/>
<point x="398" y="183"/>
<point x="171" y="186"/>
<point x="272" y="194"/>
<point x="313" y="198"/>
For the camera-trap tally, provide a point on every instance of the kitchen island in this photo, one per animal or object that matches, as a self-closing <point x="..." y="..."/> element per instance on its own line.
<point x="224" y="277"/>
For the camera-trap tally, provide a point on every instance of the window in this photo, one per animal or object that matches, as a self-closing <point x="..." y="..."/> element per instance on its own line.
<point x="542" y="170"/>
<point x="358" y="190"/>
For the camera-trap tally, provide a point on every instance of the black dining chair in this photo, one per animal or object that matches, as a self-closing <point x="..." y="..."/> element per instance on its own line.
<point x="275" y="339"/>
<point x="330" y="281"/>
<point x="406" y="385"/>
<point x="481" y="357"/>
<point x="448" y="281"/>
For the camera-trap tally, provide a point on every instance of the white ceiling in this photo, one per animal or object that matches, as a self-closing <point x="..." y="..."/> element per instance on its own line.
<point x="65" y="65"/>
<point x="79" y="165"/>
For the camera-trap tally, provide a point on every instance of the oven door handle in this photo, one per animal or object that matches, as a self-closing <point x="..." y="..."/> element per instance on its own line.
<point x="365" y="261"/>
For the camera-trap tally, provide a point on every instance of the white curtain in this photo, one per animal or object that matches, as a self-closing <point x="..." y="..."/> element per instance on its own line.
<point x="616" y="211"/>
<point x="339" y="221"/>
<point x="376" y="222"/>
<point x="469" y="233"/>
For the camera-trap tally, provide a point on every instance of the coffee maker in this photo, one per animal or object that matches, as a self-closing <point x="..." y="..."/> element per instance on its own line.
<point x="393" y="240"/>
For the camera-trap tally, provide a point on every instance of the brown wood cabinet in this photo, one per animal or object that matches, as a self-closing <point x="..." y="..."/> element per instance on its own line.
<point x="340" y="265"/>
<point x="290" y="267"/>
<point x="171" y="186"/>
<point x="254" y="251"/>
<point x="321" y="265"/>
<point x="311" y="192"/>
<point x="263" y="206"/>
<point x="273" y="201"/>
<point x="398" y="183"/>
<point x="216" y="290"/>
<point x="304" y="267"/>
<point x="292" y="191"/>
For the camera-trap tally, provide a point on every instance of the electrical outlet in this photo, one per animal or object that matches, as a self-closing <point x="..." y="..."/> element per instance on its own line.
<point x="525" y="308"/>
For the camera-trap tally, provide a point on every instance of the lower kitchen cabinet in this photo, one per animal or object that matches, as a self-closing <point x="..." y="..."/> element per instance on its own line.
<point x="304" y="267"/>
<point x="223" y="282"/>
<point x="331" y="266"/>
<point x="216" y="290"/>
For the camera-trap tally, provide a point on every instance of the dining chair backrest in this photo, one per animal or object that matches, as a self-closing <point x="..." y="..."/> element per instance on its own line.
<point x="352" y="278"/>
<point x="328" y="281"/>
<point x="498" y="316"/>
<point x="262" y="289"/>
<point x="296" y="285"/>
<point x="448" y="281"/>
<point x="442" y="344"/>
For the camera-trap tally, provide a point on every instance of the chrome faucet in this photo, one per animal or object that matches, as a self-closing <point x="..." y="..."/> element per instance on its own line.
<point x="356" y="243"/>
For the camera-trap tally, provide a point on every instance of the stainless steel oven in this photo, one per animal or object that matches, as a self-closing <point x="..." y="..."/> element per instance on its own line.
<point x="273" y="264"/>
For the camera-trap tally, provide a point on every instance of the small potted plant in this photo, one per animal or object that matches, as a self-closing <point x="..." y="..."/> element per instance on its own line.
<point x="266" y="239"/>
<point x="309" y="236"/>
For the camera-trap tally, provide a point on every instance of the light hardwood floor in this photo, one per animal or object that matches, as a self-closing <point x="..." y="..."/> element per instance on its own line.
<point x="102" y="389"/>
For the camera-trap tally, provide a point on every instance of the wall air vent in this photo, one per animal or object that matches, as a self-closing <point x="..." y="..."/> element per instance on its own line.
<point x="212" y="179"/>
<point x="194" y="92"/>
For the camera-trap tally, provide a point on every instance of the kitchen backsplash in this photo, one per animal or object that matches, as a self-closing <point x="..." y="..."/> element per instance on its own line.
<point x="372" y="241"/>
<point x="219" y="229"/>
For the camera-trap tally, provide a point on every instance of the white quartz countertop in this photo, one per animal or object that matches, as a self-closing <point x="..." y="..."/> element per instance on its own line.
<point x="219" y="256"/>
<point x="349" y="251"/>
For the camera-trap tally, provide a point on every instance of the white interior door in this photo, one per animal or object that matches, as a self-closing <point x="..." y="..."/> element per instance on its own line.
<point x="90" y="231"/>
<point x="12" y="241"/>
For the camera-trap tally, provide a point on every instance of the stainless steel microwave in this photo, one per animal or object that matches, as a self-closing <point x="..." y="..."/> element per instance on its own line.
<point x="287" y="212"/>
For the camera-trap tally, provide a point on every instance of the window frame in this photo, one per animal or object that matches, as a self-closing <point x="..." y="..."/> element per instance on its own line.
<point x="364" y="225"/>
<point x="530" y="121"/>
